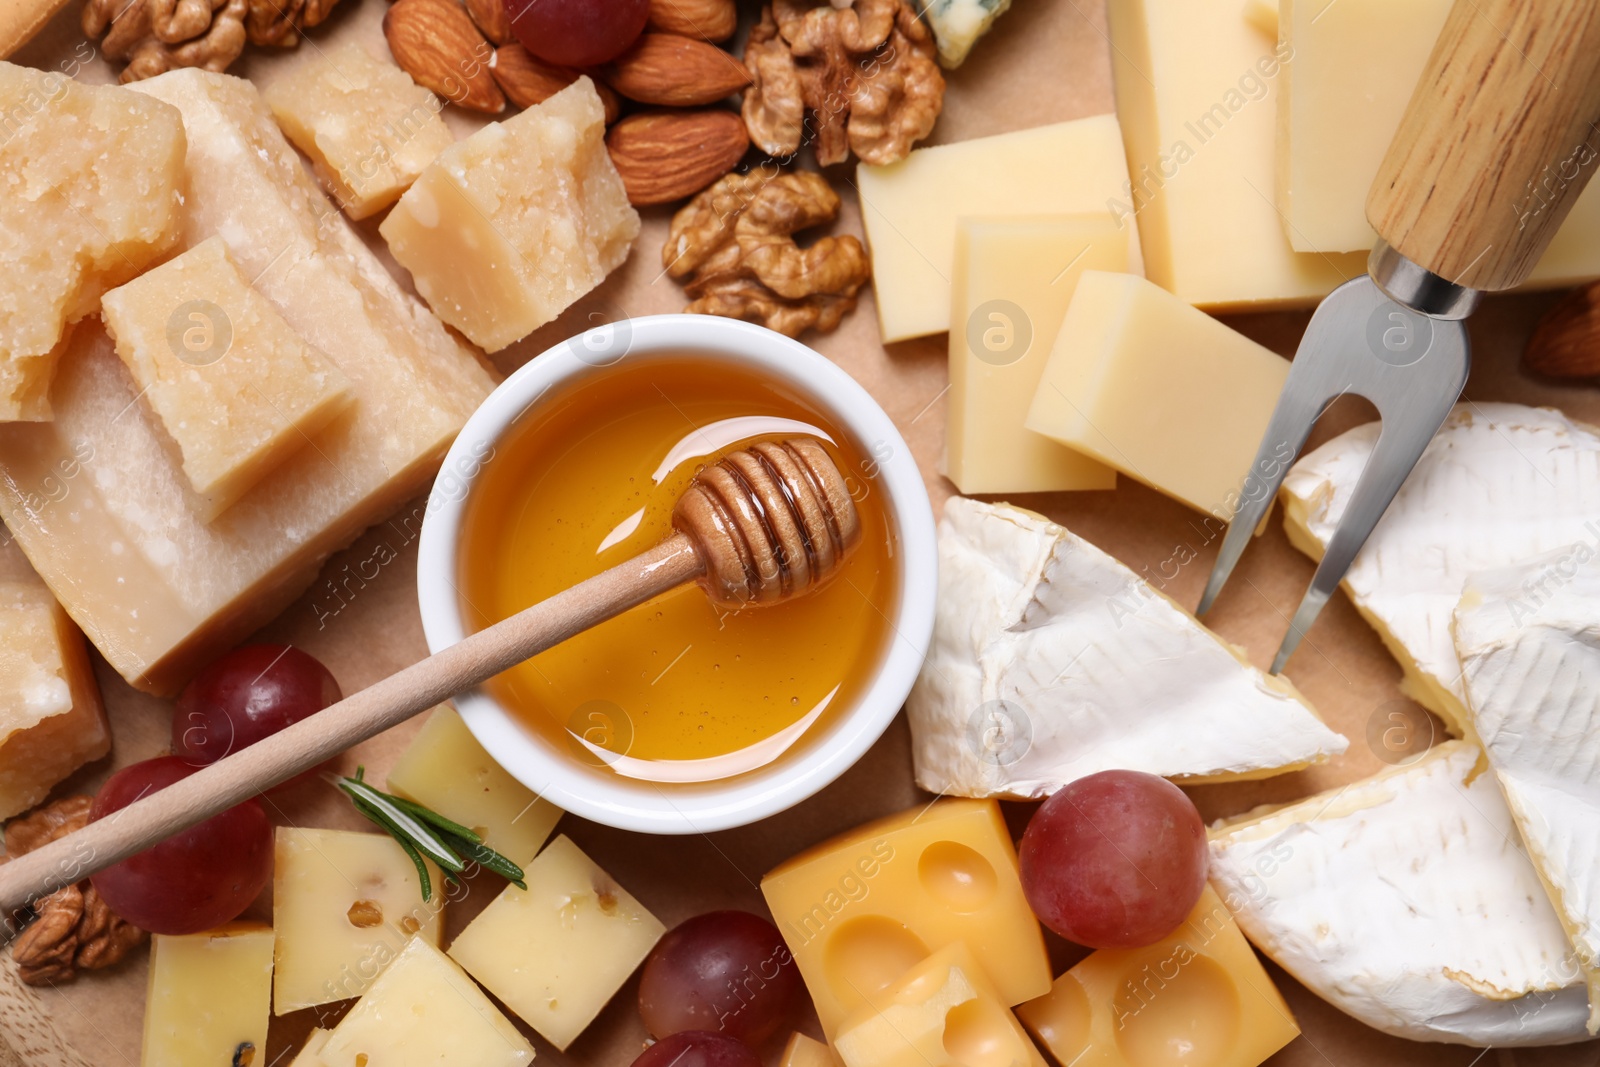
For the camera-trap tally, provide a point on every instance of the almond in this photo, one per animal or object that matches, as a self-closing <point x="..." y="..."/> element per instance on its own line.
<point x="712" y="20"/>
<point x="1566" y="342"/>
<point x="673" y="71"/>
<point x="436" y="43"/>
<point x="529" y="80"/>
<point x="667" y="155"/>
<point x="491" y="17"/>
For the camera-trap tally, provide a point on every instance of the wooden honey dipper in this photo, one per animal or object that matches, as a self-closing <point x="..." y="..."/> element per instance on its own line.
<point x="762" y="525"/>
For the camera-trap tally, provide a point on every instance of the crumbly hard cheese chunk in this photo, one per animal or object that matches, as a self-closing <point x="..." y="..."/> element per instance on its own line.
<point x="556" y="952"/>
<point x="510" y="226"/>
<point x="1052" y="661"/>
<point x="51" y="718"/>
<point x="99" y="502"/>
<point x="90" y="183"/>
<point x="209" y="998"/>
<point x="368" y="128"/>
<point x="235" y="388"/>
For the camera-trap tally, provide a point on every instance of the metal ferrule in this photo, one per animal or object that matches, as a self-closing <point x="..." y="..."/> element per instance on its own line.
<point x="1417" y="288"/>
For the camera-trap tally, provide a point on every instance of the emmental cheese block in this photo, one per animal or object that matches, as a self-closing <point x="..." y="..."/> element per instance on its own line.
<point x="1013" y="279"/>
<point x="1052" y="661"/>
<point x="1166" y="394"/>
<point x="234" y="387"/>
<point x="504" y="230"/>
<point x="1529" y="641"/>
<point x="51" y="718"/>
<point x="1498" y="485"/>
<point x="90" y="184"/>
<point x="859" y="911"/>
<point x="209" y="998"/>
<point x="1196" y="88"/>
<point x="97" y="500"/>
<point x="1200" y="990"/>
<point x="909" y="209"/>
<point x="368" y="128"/>
<point x="444" y="768"/>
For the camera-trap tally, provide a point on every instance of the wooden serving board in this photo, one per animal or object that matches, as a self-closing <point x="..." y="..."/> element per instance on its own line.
<point x="1046" y="61"/>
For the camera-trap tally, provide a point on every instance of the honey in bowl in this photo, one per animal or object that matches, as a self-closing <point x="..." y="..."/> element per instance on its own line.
<point x="678" y="689"/>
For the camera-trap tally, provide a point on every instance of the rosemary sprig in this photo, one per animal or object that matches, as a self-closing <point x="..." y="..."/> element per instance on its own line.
<point x="423" y="832"/>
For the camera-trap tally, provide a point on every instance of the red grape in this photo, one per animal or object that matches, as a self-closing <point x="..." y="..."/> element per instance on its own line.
<point x="248" y="694"/>
<point x="577" y="33"/>
<point x="197" y="879"/>
<point x="698" y="1048"/>
<point x="1114" y="860"/>
<point x="725" y="970"/>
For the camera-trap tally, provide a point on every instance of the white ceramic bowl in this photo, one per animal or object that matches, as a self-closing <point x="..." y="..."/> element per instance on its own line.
<point x="601" y="795"/>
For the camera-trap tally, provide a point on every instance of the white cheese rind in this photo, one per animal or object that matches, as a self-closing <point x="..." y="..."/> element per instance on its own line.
<point x="1499" y="484"/>
<point x="1052" y="661"/>
<point x="1529" y="642"/>
<point x="1406" y="900"/>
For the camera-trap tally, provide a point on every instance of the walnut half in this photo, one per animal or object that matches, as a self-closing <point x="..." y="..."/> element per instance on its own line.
<point x="733" y="248"/>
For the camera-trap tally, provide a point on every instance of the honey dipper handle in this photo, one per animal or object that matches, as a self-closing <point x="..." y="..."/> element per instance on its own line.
<point x="359" y="716"/>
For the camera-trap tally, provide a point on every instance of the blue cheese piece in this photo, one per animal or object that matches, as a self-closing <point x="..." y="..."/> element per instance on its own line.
<point x="957" y="25"/>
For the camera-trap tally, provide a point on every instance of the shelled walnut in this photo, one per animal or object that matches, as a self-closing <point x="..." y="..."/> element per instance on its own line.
<point x="864" y="70"/>
<point x="73" y="929"/>
<point x="155" y="36"/>
<point x="733" y="248"/>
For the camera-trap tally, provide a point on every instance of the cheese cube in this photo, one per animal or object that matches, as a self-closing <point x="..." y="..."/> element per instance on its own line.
<point x="209" y="997"/>
<point x="1200" y="990"/>
<point x="1013" y="279"/>
<point x="423" y="1012"/>
<point x="943" y="1012"/>
<point x="343" y="904"/>
<point x="909" y="209"/>
<point x="504" y="230"/>
<point x="1196" y="87"/>
<point x="234" y="387"/>
<point x="803" y="1051"/>
<point x="156" y="589"/>
<point x="860" y="910"/>
<point x="556" y="952"/>
<point x="90" y="182"/>
<point x="444" y="768"/>
<point x="1164" y="393"/>
<point x="310" y="1054"/>
<point x="51" y="720"/>
<point x="368" y="128"/>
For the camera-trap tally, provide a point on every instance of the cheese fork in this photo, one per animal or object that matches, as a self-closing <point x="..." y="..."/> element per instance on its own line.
<point x="1500" y="137"/>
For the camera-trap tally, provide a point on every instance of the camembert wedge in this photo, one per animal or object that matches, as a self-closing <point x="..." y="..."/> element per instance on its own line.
<point x="1529" y="642"/>
<point x="1499" y="484"/>
<point x="1052" y="661"/>
<point x="1406" y="900"/>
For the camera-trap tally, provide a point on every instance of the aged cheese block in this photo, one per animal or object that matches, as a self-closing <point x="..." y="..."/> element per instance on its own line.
<point x="51" y="718"/>
<point x="156" y="589"/>
<point x="368" y="128"/>
<point x="235" y="388"/>
<point x="90" y="178"/>
<point x="209" y="998"/>
<point x="507" y="228"/>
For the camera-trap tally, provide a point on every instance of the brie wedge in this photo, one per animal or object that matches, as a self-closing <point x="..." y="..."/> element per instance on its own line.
<point x="1406" y="900"/>
<point x="1529" y="641"/>
<point x="1499" y="484"/>
<point x="1052" y="661"/>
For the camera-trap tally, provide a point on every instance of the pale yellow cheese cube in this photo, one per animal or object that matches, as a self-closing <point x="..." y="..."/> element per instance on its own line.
<point x="909" y="209"/>
<point x="424" y="1012"/>
<point x="444" y="768"/>
<point x="1013" y="279"/>
<point x="504" y="230"/>
<point x="556" y="952"/>
<point x="368" y="128"/>
<point x="90" y="183"/>
<point x="51" y="719"/>
<point x="1164" y="393"/>
<point x="234" y="386"/>
<point x="803" y="1051"/>
<point x="1196" y="89"/>
<point x="860" y="910"/>
<point x="343" y="904"/>
<point x="943" y="1012"/>
<point x="310" y="1052"/>
<point x="209" y="997"/>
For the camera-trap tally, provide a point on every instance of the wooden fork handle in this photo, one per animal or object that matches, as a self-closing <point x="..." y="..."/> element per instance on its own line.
<point x="1501" y="135"/>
